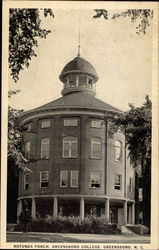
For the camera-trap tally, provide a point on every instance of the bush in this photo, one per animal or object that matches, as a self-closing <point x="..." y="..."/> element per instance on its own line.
<point x="96" y="225"/>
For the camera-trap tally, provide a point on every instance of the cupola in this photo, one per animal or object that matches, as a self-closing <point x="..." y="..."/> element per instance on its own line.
<point x="79" y="75"/>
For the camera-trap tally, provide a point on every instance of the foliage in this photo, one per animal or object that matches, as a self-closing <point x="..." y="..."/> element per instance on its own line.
<point x="13" y="92"/>
<point x="16" y="158"/>
<point x="100" y="13"/>
<point x="136" y="125"/>
<point x="24" y="29"/>
<point x="143" y="15"/>
<point x="98" y="225"/>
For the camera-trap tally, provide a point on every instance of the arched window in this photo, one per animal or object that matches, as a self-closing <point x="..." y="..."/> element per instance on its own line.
<point x="45" y="143"/>
<point x="70" y="147"/>
<point x="96" y="148"/>
<point x="118" y="151"/>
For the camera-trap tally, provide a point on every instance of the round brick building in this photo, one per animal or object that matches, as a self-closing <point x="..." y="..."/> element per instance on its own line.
<point x="77" y="169"/>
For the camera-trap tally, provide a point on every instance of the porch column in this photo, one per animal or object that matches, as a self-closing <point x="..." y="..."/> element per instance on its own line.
<point x="133" y="213"/>
<point x="19" y="209"/>
<point x="33" y="209"/>
<point x="55" y="207"/>
<point x="125" y="212"/>
<point x="107" y="209"/>
<point x="82" y="208"/>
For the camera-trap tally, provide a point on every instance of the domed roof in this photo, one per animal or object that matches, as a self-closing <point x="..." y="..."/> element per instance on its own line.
<point x="79" y="65"/>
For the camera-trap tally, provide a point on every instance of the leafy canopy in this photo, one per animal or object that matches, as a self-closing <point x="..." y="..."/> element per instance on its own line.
<point x="136" y="125"/>
<point x="141" y="15"/>
<point x="24" y="29"/>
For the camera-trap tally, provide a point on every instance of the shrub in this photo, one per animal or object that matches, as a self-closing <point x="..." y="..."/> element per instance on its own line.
<point x="64" y="224"/>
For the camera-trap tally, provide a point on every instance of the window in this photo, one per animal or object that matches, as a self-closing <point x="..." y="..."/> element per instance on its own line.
<point x="96" y="148"/>
<point x="45" y="148"/>
<point x="26" y="181"/>
<point x="27" y="147"/>
<point x="45" y="124"/>
<point x="63" y="178"/>
<point x="70" y="123"/>
<point x="95" y="179"/>
<point x="117" y="151"/>
<point x="44" y="177"/>
<point x="96" y="124"/>
<point x="117" y="184"/>
<point x="131" y="185"/>
<point x="70" y="147"/>
<point x="74" y="179"/>
<point x="90" y="83"/>
<point x="82" y="81"/>
<point x="72" y="80"/>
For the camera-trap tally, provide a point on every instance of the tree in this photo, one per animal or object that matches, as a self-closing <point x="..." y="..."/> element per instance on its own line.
<point x="15" y="140"/>
<point x="141" y="15"/>
<point x="16" y="161"/>
<point x="136" y="125"/>
<point x="24" y="29"/>
<point x="13" y="156"/>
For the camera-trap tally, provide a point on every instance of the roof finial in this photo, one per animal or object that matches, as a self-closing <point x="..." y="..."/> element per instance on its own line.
<point x="79" y="37"/>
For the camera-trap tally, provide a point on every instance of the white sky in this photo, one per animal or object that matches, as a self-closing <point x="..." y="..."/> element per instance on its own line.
<point x="123" y="60"/>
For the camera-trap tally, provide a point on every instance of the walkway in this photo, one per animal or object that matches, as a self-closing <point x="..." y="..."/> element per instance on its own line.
<point x="79" y="238"/>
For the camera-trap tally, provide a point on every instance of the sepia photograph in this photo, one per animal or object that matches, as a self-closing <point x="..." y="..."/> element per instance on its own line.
<point x="79" y="125"/>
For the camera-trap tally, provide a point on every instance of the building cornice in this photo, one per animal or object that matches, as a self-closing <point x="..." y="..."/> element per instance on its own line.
<point x="76" y="196"/>
<point x="76" y="110"/>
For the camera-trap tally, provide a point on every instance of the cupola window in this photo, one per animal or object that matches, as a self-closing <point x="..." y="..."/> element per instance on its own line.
<point x="72" y="80"/>
<point x="82" y="81"/>
<point x="70" y="147"/>
<point x="118" y="151"/>
<point x="45" y="145"/>
<point x="90" y="83"/>
<point x="96" y="148"/>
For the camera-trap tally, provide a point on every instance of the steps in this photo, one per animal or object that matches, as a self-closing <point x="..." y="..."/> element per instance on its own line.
<point x="126" y="231"/>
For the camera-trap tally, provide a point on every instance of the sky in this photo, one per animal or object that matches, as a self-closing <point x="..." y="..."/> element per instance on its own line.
<point x="122" y="59"/>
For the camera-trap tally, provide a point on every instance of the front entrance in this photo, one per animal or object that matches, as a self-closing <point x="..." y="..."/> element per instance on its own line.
<point x="68" y="209"/>
<point x="113" y="215"/>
